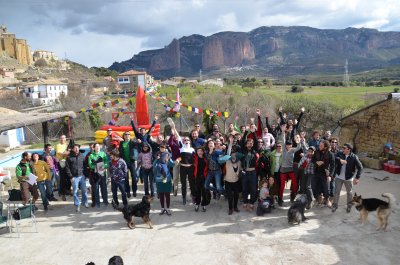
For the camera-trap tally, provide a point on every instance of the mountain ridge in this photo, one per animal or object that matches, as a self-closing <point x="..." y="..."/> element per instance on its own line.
<point x="276" y="51"/>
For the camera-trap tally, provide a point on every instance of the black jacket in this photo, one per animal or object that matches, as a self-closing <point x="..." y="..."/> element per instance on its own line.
<point x="329" y="163"/>
<point x="138" y="135"/>
<point x="75" y="165"/>
<point x="353" y="163"/>
<point x="132" y="146"/>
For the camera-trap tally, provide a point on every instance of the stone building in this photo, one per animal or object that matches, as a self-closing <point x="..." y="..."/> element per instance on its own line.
<point x="15" y="48"/>
<point x="46" y="55"/>
<point x="368" y="129"/>
<point x="131" y="80"/>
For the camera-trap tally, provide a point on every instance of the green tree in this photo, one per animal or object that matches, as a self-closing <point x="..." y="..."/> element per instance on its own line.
<point x="95" y="119"/>
<point x="208" y="122"/>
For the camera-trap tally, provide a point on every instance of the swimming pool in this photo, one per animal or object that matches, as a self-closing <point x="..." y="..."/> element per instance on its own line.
<point x="13" y="160"/>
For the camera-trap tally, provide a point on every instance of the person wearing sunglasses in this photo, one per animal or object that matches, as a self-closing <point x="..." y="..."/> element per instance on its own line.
<point x="348" y="172"/>
<point x="198" y="129"/>
<point x="335" y="149"/>
<point x="186" y="171"/>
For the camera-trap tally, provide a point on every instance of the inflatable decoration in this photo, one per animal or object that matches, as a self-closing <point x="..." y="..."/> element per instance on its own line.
<point x="142" y="118"/>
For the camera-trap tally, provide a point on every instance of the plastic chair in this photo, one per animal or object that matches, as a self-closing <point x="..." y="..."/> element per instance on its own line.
<point x="4" y="218"/>
<point x="25" y="212"/>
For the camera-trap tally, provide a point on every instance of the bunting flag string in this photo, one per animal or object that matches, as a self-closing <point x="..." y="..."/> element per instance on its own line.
<point x="189" y="108"/>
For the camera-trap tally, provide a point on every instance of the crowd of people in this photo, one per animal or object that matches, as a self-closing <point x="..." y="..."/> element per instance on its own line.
<point x="250" y="164"/>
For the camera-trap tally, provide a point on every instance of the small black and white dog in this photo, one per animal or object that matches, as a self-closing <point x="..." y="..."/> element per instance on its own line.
<point x="296" y="211"/>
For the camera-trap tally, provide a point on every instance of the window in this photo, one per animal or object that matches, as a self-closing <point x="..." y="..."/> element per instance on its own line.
<point x="123" y="79"/>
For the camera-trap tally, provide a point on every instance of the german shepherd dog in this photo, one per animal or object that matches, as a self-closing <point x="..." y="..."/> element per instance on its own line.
<point x="381" y="207"/>
<point x="141" y="209"/>
<point x="296" y="211"/>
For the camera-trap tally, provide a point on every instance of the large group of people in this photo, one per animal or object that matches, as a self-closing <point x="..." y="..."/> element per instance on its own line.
<point x="250" y="164"/>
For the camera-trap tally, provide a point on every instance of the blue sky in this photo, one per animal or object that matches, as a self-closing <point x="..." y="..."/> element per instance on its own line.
<point x="99" y="32"/>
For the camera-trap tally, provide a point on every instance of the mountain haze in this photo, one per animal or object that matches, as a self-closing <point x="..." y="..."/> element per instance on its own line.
<point x="271" y="51"/>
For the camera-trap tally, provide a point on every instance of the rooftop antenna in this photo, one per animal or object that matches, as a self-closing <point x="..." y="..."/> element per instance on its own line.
<point x="346" y="79"/>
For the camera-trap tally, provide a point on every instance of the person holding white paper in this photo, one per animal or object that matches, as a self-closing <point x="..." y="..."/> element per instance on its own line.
<point x="22" y="171"/>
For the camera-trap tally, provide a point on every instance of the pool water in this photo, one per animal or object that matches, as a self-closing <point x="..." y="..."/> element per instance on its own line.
<point x="13" y="160"/>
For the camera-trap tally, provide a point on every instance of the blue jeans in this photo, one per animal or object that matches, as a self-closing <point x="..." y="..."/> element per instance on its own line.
<point x="46" y="191"/>
<point x="79" y="182"/>
<point x="148" y="179"/>
<point x="132" y="168"/>
<point x="114" y="189"/>
<point x="217" y="176"/>
<point x="249" y="184"/>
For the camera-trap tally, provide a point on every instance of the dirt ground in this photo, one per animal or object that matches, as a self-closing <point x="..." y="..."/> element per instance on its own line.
<point x="213" y="237"/>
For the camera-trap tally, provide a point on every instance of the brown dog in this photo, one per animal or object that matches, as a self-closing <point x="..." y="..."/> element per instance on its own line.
<point x="141" y="209"/>
<point x="381" y="207"/>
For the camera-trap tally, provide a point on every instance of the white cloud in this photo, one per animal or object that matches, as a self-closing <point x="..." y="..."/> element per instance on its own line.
<point x="227" y="22"/>
<point x="85" y="29"/>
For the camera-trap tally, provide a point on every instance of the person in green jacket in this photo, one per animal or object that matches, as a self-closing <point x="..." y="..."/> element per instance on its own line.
<point x="98" y="164"/>
<point x="22" y="171"/>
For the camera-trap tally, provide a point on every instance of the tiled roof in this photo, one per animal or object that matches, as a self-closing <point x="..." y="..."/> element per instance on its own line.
<point x="132" y="72"/>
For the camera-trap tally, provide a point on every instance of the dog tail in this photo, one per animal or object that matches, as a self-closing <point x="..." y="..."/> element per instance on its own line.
<point x="390" y="197"/>
<point x="116" y="207"/>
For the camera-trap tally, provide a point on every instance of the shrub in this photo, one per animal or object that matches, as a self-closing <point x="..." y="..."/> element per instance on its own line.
<point x="297" y="89"/>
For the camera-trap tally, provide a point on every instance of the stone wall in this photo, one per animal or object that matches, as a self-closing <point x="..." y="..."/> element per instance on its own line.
<point x="369" y="129"/>
<point x="15" y="48"/>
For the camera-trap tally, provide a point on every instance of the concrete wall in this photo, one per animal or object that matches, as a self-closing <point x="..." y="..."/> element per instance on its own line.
<point x="376" y="126"/>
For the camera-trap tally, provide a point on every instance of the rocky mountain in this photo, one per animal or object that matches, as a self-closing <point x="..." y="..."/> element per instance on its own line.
<point x="271" y="51"/>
